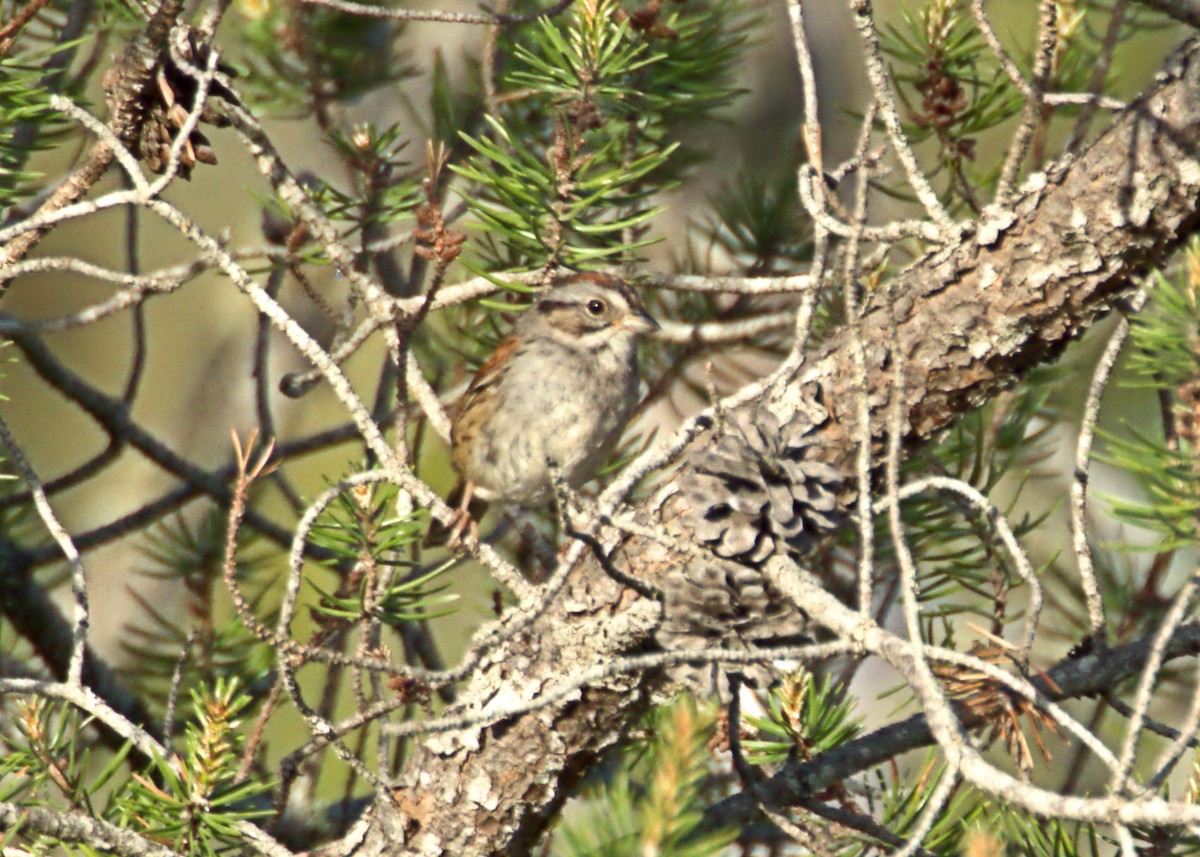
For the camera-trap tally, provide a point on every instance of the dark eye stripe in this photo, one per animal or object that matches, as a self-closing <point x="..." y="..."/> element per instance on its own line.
<point x="547" y="307"/>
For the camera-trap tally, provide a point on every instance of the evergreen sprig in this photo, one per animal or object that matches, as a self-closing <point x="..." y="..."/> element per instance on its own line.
<point x="44" y="761"/>
<point x="953" y="88"/>
<point x="300" y="60"/>
<point x="570" y="163"/>
<point x="25" y="102"/>
<point x="365" y="529"/>
<point x="756" y="220"/>
<point x="194" y="804"/>
<point x="1165" y="358"/>
<point x="388" y="188"/>
<point x="652" y="806"/>
<point x="1171" y="485"/>
<point x="407" y="599"/>
<point x="1166" y="334"/>
<point x="1036" y="837"/>
<point x="806" y="716"/>
<point x="906" y="798"/>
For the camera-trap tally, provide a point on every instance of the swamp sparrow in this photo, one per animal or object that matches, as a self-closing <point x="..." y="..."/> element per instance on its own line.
<point x="556" y="393"/>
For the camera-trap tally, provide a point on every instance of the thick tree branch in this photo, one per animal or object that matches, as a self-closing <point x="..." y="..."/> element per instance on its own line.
<point x="973" y="318"/>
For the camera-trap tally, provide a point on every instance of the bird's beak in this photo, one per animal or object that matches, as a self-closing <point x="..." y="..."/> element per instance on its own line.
<point x="642" y="322"/>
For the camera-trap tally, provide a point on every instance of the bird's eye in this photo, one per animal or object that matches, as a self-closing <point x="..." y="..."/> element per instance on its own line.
<point x="596" y="307"/>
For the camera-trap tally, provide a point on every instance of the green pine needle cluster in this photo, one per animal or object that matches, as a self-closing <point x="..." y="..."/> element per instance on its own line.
<point x="294" y="64"/>
<point x="806" y="716"/>
<point x="191" y="802"/>
<point x="907" y="796"/>
<point x="43" y="762"/>
<point x="587" y="130"/>
<point x="194" y="802"/>
<point x="24" y="106"/>
<point x="653" y="804"/>
<point x="953" y="89"/>
<point x="1165" y="358"/>
<point x="1000" y="830"/>
<point x="365" y="530"/>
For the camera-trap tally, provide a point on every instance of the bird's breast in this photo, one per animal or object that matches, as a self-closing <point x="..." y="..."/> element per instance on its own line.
<point x="561" y="407"/>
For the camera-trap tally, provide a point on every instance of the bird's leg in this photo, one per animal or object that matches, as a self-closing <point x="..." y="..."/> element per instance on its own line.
<point x="461" y="520"/>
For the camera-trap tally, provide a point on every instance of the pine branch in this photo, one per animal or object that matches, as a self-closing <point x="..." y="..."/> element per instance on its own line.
<point x="129" y="85"/>
<point x="971" y="319"/>
<point x="1074" y="677"/>
<point x="76" y="827"/>
<point x="40" y="621"/>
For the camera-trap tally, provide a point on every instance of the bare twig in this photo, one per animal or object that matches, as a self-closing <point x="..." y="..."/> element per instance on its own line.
<point x="352" y="8"/>
<point x="65" y="543"/>
<point x="1097" y="622"/>
<point x="1099" y="72"/>
<point x="881" y="87"/>
<point x="1031" y="114"/>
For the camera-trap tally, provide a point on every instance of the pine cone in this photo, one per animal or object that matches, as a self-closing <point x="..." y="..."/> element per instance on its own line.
<point x="173" y="97"/>
<point x="760" y="487"/>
